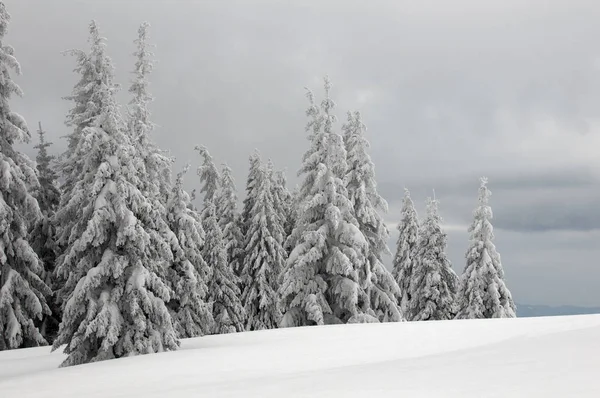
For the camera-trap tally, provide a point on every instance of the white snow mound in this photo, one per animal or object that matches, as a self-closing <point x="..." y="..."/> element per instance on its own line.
<point x="529" y="357"/>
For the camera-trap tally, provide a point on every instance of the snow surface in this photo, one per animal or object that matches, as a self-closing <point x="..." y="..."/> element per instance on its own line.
<point x="527" y="357"/>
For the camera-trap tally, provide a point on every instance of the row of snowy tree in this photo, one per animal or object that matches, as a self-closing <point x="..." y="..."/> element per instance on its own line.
<point x="430" y="288"/>
<point x="116" y="260"/>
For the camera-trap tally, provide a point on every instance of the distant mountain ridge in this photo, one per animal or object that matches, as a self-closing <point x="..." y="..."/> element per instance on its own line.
<point x="528" y="311"/>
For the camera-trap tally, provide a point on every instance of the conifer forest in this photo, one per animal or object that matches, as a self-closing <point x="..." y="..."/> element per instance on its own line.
<point x="105" y="253"/>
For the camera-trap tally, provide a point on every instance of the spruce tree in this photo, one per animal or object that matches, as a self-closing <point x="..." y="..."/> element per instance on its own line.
<point x="283" y="202"/>
<point x="188" y="276"/>
<point x="88" y="96"/>
<point x="95" y="72"/>
<point x="223" y="286"/>
<point x="230" y="221"/>
<point x="96" y="77"/>
<point x="482" y="291"/>
<point x="288" y="245"/>
<point x="43" y="233"/>
<point x="154" y="164"/>
<point x="433" y="286"/>
<point x="251" y="186"/>
<point x="321" y="278"/>
<point x="139" y="121"/>
<point x="405" y="258"/>
<point x="114" y="262"/>
<point x="252" y="183"/>
<point x="362" y="192"/>
<point x="22" y="290"/>
<point x="264" y="257"/>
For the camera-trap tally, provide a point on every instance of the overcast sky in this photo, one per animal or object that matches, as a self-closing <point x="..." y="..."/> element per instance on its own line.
<point x="449" y="90"/>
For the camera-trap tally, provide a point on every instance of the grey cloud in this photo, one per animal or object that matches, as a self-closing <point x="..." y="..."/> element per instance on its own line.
<point x="533" y="202"/>
<point x="566" y="178"/>
<point x="504" y="89"/>
<point x="569" y="215"/>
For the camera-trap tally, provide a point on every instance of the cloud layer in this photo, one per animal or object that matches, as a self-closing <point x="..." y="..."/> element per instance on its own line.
<point x="507" y="89"/>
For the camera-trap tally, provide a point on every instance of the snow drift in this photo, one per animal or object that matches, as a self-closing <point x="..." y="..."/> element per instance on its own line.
<point x="531" y="357"/>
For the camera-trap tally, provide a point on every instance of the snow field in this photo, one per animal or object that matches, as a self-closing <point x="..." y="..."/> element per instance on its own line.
<point x="529" y="357"/>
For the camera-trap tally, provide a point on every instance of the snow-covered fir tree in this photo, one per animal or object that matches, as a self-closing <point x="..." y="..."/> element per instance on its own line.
<point x="288" y="245"/>
<point x="320" y="284"/>
<point x="360" y="181"/>
<point x="139" y="114"/>
<point x="223" y="286"/>
<point x="114" y="261"/>
<point x="251" y="184"/>
<point x="209" y="179"/>
<point x="188" y="277"/>
<point x="283" y="201"/>
<point x="154" y="163"/>
<point x="43" y="231"/>
<point x="87" y="97"/>
<point x="22" y="290"/>
<point x="264" y="257"/>
<point x="482" y="291"/>
<point x="230" y="221"/>
<point x="434" y="283"/>
<point x="405" y="257"/>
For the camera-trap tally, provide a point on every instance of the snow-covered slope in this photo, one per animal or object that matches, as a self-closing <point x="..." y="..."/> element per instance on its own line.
<point x="531" y="357"/>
